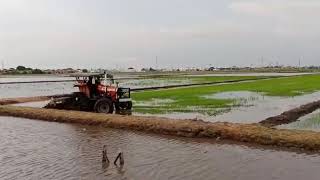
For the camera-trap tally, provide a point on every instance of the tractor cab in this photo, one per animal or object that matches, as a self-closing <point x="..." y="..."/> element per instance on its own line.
<point x="97" y="92"/>
<point x="88" y="84"/>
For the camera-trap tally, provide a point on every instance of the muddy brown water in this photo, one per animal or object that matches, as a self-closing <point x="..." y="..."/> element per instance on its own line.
<point x="46" y="150"/>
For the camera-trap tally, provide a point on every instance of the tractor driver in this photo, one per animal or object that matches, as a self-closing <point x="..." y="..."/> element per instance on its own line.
<point x="92" y="86"/>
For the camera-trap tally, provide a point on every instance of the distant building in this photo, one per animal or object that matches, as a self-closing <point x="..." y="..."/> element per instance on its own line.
<point x="148" y="69"/>
<point x="65" y="71"/>
<point x="212" y="69"/>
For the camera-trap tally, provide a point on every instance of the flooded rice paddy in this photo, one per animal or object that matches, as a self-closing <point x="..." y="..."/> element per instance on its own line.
<point x="52" y="88"/>
<point x="47" y="150"/>
<point x="252" y="74"/>
<point x="21" y="78"/>
<point x="33" y="89"/>
<point x="250" y="107"/>
<point x="308" y="122"/>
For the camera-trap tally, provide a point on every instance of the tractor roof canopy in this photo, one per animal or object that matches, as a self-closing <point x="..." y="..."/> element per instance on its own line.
<point x="100" y="75"/>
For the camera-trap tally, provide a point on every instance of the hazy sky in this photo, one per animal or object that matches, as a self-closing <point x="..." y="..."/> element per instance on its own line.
<point x="123" y="33"/>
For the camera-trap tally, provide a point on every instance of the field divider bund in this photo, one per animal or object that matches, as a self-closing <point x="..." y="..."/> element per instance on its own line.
<point x="251" y="133"/>
<point x="291" y="115"/>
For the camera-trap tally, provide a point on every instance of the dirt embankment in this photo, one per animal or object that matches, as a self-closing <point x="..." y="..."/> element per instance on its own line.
<point x="8" y="101"/>
<point x="253" y="133"/>
<point x="291" y="115"/>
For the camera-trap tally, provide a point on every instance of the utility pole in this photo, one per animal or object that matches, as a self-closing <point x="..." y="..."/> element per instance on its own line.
<point x="2" y="65"/>
<point x="300" y="62"/>
<point x="156" y="62"/>
<point x="262" y="61"/>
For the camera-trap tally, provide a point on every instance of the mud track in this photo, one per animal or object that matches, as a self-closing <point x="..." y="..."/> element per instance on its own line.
<point x="253" y="133"/>
<point x="291" y="115"/>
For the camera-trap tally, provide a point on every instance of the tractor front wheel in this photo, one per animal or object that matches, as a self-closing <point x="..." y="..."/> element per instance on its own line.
<point x="103" y="106"/>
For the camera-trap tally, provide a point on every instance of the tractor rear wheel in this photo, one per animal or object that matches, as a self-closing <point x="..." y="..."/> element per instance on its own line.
<point x="103" y="106"/>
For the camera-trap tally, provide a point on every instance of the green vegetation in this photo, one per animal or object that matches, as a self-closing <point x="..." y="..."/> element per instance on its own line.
<point x="22" y="70"/>
<point x="192" y="99"/>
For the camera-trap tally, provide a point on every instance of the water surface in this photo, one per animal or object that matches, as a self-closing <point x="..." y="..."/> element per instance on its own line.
<point x="46" y="150"/>
<point x="308" y="122"/>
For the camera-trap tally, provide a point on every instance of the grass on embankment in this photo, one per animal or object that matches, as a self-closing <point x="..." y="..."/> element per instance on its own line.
<point x="191" y="99"/>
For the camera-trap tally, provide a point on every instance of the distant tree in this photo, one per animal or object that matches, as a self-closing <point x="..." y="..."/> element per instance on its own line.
<point x="85" y="70"/>
<point x="21" y="68"/>
<point x="37" y="71"/>
<point x="151" y="69"/>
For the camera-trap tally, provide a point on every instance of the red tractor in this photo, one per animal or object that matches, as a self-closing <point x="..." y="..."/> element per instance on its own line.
<point x="97" y="93"/>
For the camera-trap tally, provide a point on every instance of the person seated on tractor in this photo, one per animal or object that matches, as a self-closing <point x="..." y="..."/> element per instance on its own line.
<point x="92" y="87"/>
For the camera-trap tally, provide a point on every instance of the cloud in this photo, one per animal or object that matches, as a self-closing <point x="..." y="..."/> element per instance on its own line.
<point x="282" y="17"/>
<point x="65" y="33"/>
<point x="276" y="7"/>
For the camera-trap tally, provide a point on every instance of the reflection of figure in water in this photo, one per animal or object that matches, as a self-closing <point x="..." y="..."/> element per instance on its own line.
<point x="120" y="169"/>
<point x="105" y="160"/>
<point x="120" y="158"/>
<point x="105" y="155"/>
